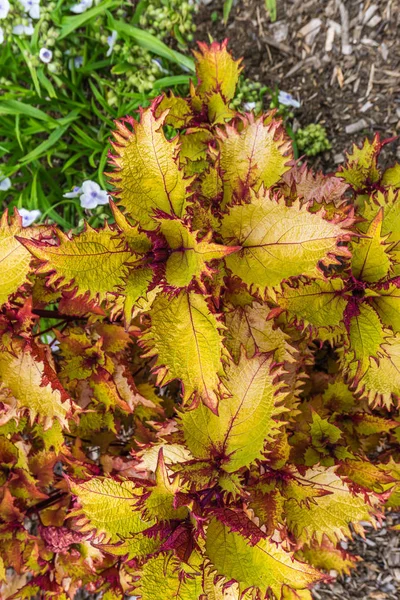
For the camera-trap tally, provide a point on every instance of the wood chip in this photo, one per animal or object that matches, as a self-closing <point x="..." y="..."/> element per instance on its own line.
<point x="310" y="31"/>
<point x="357" y="126"/>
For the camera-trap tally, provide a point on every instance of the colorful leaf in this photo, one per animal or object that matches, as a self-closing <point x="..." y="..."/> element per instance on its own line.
<point x="265" y="566"/>
<point x="256" y="154"/>
<point x="278" y="241"/>
<point x="329" y="515"/>
<point x="147" y="172"/>
<point x="370" y="260"/>
<point x="245" y="421"/>
<point x="94" y="263"/>
<point x="109" y="508"/>
<point x="184" y="335"/>
<point x="318" y="302"/>
<point x="216" y="70"/>
<point x="190" y="258"/>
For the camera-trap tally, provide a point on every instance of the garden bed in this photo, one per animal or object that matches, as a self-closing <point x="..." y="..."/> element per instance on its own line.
<point x="352" y="95"/>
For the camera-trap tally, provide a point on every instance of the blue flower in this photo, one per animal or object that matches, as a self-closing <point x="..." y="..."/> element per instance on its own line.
<point x="5" y="184"/>
<point x="28" y="216"/>
<point x="288" y="100"/>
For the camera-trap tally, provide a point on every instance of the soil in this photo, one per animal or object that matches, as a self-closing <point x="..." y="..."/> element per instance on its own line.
<point x="351" y="87"/>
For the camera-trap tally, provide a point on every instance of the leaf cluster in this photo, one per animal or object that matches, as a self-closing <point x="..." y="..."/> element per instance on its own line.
<point x="218" y="405"/>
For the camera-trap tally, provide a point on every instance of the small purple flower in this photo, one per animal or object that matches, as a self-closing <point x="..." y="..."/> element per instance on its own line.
<point x="31" y="7"/>
<point x="45" y="55"/>
<point x="81" y="7"/>
<point x="76" y="191"/>
<point x="4" y="8"/>
<point x="92" y="195"/>
<point x="111" y="42"/>
<point x="5" y="184"/>
<point x="28" y="216"/>
<point x="288" y="100"/>
<point x="23" y="29"/>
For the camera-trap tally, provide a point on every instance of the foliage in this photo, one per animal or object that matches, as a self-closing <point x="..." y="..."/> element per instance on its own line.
<point x="56" y="113"/>
<point x="217" y="407"/>
<point x="312" y="139"/>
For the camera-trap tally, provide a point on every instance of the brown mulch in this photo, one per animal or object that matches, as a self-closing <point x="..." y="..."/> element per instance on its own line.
<point x="340" y="58"/>
<point x="377" y="577"/>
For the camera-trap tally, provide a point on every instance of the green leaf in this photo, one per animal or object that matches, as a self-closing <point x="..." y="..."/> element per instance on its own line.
<point x="69" y="23"/>
<point x="109" y="506"/>
<point x="44" y="146"/>
<point x="370" y="260"/>
<point x="265" y="566"/>
<point x="318" y="302"/>
<point x="190" y="258"/>
<point x="366" y="336"/>
<point x="278" y="241"/>
<point x="15" y="107"/>
<point x="148" y="175"/>
<point x="329" y="515"/>
<point x="150" y="42"/>
<point x="386" y="302"/>
<point x="245" y="421"/>
<point x="184" y="335"/>
<point x="323" y="432"/>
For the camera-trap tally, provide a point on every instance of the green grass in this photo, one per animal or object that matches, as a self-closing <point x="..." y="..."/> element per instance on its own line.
<point x="55" y="119"/>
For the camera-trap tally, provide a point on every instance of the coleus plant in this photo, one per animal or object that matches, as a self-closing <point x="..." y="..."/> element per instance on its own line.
<point x="217" y="409"/>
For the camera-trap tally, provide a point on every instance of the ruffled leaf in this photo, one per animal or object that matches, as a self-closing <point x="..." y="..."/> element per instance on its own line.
<point x="318" y="302"/>
<point x="190" y="258"/>
<point x="184" y="335"/>
<point x="245" y="421"/>
<point x="14" y="257"/>
<point x="216" y="70"/>
<point x="278" y="241"/>
<point x="109" y="508"/>
<point x="329" y="515"/>
<point x="148" y="176"/>
<point x="265" y="566"/>
<point x="94" y="263"/>
<point x="33" y="386"/>
<point x="256" y="154"/>
<point x="370" y="261"/>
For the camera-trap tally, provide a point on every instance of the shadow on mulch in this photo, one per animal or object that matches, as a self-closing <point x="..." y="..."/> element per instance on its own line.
<point x="340" y="58"/>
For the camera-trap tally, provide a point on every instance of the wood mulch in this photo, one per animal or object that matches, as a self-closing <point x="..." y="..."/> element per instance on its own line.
<point x="340" y="58"/>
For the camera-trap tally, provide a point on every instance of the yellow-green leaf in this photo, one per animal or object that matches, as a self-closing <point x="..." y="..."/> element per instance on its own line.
<point x="265" y="566"/>
<point x="245" y="421"/>
<point x="278" y="241"/>
<point x="148" y="176"/>
<point x="329" y="515"/>
<point x="163" y="578"/>
<point x="33" y="384"/>
<point x="367" y="336"/>
<point x="318" y="302"/>
<point x="93" y="263"/>
<point x="109" y="507"/>
<point x="14" y="257"/>
<point x="184" y="335"/>
<point x="249" y="328"/>
<point x="216" y="70"/>
<point x="387" y="305"/>
<point x="189" y="258"/>
<point x="255" y="155"/>
<point x="370" y="261"/>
